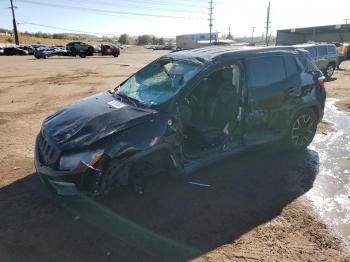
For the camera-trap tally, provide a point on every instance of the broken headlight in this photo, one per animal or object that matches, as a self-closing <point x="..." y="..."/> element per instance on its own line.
<point x="71" y="161"/>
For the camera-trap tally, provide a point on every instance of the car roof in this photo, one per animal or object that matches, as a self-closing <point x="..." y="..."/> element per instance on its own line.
<point x="211" y="53"/>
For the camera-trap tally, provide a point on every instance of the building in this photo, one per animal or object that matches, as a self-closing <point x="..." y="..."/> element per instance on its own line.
<point x="195" y="40"/>
<point x="329" y="33"/>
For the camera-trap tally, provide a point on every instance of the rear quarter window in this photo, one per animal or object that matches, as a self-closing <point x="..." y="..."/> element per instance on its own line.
<point x="306" y="63"/>
<point x="331" y="50"/>
<point x="291" y="66"/>
<point x="265" y="71"/>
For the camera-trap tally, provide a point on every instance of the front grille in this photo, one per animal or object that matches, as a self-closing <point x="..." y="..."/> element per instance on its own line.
<point x="49" y="154"/>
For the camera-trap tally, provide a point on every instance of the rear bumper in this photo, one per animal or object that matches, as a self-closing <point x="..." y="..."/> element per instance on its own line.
<point x="82" y="178"/>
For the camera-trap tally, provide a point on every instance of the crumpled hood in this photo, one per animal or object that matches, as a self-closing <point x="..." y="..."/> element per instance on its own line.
<point x="91" y="119"/>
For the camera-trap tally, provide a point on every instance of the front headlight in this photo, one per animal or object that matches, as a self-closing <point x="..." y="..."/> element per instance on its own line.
<point x="71" y="161"/>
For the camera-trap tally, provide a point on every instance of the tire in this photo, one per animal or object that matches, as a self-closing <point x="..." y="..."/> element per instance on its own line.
<point x="82" y="55"/>
<point x="329" y="71"/>
<point x="116" y="54"/>
<point x="45" y="57"/>
<point x="302" y="130"/>
<point x="90" y="50"/>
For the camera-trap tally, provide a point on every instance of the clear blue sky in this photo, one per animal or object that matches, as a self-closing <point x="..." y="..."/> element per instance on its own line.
<point x="114" y="16"/>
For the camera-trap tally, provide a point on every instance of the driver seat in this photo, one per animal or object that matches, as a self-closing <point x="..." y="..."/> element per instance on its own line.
<point x="219" y="110"/>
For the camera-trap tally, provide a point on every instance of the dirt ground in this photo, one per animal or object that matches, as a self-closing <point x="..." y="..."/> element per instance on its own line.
<point x="339" y="86"/>
<point x="252" y="210"/>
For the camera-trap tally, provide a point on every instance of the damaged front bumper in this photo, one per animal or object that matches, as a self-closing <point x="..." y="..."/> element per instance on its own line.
<point x="83" y="178"/>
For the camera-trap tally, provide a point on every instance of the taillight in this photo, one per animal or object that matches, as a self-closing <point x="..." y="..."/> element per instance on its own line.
<point x="321" y="81"/>
<point x="341" y="50"/>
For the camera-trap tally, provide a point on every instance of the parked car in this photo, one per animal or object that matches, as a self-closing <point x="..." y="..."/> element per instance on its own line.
<point x="325" y="57"/>
<point x="79" y="47"/>
<point x="45" y="52"/>
<point x="110" y="50"/>
<point x="37" y="46"/>
<point x="29" y="49"/>
<point x="181" y="112"/>
<point x="14" y="51"/>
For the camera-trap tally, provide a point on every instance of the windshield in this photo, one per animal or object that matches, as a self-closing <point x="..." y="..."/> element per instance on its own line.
<point x="159" y="81"/>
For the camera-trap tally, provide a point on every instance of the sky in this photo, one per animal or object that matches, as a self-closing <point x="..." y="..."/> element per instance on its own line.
<point x="169" y="18"/>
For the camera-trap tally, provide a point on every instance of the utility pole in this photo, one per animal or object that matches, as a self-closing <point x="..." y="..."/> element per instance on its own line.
<point x="267" y="25"/>
<point x="229" y="34"/>
<point x="210" y="20"/>
<point x="346" y="20"/>
<point x="14" y="24"/>
<point x="253" y="29"/>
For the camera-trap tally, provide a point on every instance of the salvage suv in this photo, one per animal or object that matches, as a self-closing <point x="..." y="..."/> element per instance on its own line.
<point x="184" y="110"/>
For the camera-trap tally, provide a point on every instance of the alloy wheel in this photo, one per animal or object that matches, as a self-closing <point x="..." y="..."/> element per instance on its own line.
<point x="303" y="130"/>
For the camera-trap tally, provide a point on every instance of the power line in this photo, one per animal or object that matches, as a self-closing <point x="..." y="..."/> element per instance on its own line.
<point x="145" y="2"/>
<point x="141" y="7"/>
<point x="65" y="29"/>
<point x="106" y="11"/>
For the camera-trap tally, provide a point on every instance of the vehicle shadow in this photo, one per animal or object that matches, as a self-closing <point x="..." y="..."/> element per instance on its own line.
<point x="173" y="221"/>
<point x="331" y="79"/>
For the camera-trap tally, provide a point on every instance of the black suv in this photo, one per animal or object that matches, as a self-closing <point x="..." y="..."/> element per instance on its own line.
<point x="181" y="112"/>
<point x="80" y="47"/>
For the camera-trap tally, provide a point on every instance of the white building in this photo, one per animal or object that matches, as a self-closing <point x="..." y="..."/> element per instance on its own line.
<point x="195" y="40"/>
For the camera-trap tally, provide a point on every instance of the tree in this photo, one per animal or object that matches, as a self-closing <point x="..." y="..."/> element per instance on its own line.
<point x="160" y="41"/>
<point x="144" y="40"/>
<point x="124" y="39"/>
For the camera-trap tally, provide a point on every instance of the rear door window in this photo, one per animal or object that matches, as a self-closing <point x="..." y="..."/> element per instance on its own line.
<point x="265" y="71"/>
<point x="322" y="50"/>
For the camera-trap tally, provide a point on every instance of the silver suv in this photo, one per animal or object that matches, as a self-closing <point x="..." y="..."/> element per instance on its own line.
<point x="325" y="57"/>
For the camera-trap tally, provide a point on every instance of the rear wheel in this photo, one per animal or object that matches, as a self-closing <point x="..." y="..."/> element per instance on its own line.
<point x="82" y="55"/>
<point x="329" y="71"/>
<point x="90" y="50"/>
<point x="302" y="130"/>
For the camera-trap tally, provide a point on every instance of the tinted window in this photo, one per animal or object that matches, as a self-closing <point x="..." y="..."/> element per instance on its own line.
<point x="312" y="51"/>
<point x="291" y="65"/>
<point x="331" y="49"/>
<point x="322" y="50"/>
<point x="306" y="63"/>
<point x="265" y="71"/>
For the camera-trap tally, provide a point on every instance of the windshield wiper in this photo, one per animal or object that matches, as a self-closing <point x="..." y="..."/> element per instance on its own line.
<point x="131" y="100"/>
<point x="123" y="96"/>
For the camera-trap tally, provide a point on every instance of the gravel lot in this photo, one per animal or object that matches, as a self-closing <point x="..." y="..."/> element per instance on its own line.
<point x="253" y="210"/>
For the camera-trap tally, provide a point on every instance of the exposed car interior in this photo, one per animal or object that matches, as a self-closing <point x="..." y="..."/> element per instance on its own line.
<point x="210" y="111"/>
